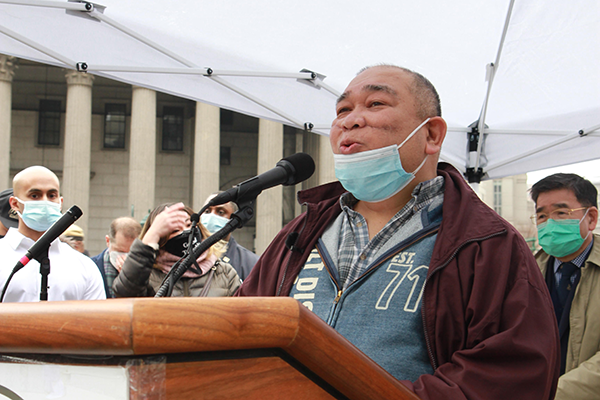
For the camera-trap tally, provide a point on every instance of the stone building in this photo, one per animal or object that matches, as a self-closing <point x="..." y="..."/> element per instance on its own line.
<point x="121" y="150"/>
<point x="510" y="198"/>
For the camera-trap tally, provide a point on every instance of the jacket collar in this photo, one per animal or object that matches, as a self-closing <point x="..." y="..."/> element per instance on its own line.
<point x="332" y="190"/>
<point x="465" y="218"/>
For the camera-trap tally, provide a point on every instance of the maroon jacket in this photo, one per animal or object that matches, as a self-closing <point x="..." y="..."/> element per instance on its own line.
<point x="488" y="319"/>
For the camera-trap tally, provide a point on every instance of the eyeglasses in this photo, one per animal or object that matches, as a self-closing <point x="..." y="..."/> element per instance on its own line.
<point x="559" y="213"/>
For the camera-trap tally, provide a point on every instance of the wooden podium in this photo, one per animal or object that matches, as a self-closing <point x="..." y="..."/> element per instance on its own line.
<point x="208" y="348"/>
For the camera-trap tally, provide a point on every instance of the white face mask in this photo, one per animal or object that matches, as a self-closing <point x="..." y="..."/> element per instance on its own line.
<point x="39" y="215"/>
<point x="117" y="258"/>
<point x="213" y="222"/>
<point x="375" y="175"/>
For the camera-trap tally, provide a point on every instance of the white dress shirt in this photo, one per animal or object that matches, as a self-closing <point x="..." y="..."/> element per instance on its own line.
<point x="73" y="276"/>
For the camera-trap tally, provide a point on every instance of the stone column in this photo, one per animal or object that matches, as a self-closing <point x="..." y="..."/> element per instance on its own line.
<point x="7" y="71"/>
<point x="142" y="151"/>
<point x="207" y="150"/>
<point x="78" y="138"/>
<point x="269" y="204"/>
<point x="325" y="164"/>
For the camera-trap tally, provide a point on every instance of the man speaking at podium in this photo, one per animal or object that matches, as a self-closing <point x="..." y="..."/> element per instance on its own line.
<point x="73" y="276"/>
<point x="403" y="259"/>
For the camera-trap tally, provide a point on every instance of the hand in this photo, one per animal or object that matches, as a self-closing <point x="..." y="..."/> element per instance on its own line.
<point x="171" y="220"/>
<point x="117" y="259"/>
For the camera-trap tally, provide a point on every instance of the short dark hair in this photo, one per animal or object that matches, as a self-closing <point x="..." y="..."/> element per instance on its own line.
<point x="425" y="94"/>
<point x="585" y="192"/>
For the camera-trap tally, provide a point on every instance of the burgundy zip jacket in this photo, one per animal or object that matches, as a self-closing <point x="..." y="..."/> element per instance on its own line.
<point x="488" y="319"/>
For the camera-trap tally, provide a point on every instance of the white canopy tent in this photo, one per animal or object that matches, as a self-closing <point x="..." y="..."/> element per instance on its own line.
<point x="518" y="78"/>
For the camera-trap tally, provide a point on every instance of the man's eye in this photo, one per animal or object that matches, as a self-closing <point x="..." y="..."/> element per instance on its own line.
<point x="376" y="103"/>
<point x="342" y="110"/>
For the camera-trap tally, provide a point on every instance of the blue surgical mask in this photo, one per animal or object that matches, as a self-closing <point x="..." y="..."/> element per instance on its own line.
<point x="561" y="237"/>
<point x="375" y="175"/>
<point x="213" y="222"/>
<point x="39" y="215"/>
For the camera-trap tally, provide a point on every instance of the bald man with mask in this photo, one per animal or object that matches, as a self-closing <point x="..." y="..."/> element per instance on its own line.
<point x="37" y="202"/>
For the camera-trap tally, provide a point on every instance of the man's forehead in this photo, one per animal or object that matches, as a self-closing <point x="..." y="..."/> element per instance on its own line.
<point x="34" y="189"/>
<point x="369" y="87"/>
<point x="561" y="198"/>
<point x="554" y="206"/>
<point x="36" y="181"/>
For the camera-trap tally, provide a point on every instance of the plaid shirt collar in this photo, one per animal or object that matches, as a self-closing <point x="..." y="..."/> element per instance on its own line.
<point x="356" y="252"/>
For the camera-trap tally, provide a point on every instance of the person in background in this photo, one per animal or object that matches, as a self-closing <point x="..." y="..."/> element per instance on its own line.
<point x="75" y="238"/>
<point x="163" y="241"/>
<point x="73" y="276"/>
<point x="121" y="234"/>
<point x="403" y="259"/>
<point x="8" y="218"/>
<point x="214" y="219"/>
<point x="566" y="214"/>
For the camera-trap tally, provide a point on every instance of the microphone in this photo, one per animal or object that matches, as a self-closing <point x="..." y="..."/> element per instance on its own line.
<point x="288" y="171"/>
<point x="43" y="243"/>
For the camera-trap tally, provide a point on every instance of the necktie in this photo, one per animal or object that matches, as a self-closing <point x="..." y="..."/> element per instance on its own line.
<point x="564" y="285"/>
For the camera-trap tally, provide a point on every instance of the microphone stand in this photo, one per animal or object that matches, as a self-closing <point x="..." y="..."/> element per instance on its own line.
<point x="44" y="261"/>
<point x="194" y="234"/>
<point x="237" y="220"/>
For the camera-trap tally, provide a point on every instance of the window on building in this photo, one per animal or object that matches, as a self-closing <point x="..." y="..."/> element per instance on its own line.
<point x="172" y="132"/>
<point x="49" y="123"/>
<point x="227" y="117"/>
<point x="225" y="155"/>
<point x="498" y="196"/>
<point x="114" y="126"/>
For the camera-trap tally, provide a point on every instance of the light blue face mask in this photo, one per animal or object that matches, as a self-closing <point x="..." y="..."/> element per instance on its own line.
<point x="375" y="175"/>
<point x="39" y="215"/>
<point x="213" y="222"/>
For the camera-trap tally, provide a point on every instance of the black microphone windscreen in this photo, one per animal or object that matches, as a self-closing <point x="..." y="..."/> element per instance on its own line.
<point x="76" y="211"/>
<point x="304" y="167"/>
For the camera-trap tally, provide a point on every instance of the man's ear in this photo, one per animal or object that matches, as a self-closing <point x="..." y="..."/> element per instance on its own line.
<point x="593" y="214"/>
<point x="14" y="203"/>
<point x="107" y="241"/>
<point x="436" y="134"/>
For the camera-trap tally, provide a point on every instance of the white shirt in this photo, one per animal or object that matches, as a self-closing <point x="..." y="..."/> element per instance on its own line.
<point x="73" y="276"/>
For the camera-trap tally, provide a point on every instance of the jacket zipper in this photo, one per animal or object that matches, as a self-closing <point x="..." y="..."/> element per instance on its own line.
<point x="337" y="298"/>
<point x="287" y="265"/>
<point x="443" y="265"/>
<point x="336" y="283"/>
<point x="341" y="291"/>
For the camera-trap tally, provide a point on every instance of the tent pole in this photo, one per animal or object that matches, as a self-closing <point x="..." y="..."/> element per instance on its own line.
<point x="135" y="35"/>
<point x="256" y="100"/>
<point x="59" y="57"/>
<point x="579" y="134"/>
<point x="50" y="4"/>
<point x="491" y="73"/>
